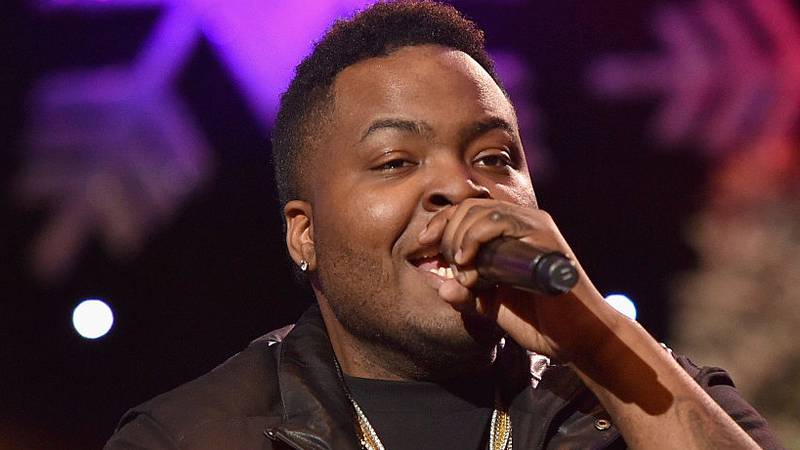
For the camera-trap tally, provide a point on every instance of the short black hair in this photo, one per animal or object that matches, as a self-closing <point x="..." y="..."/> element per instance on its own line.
<point x="377" y="31"/>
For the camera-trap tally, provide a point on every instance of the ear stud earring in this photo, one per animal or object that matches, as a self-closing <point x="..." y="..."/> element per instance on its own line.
<point x="303" y="265"/>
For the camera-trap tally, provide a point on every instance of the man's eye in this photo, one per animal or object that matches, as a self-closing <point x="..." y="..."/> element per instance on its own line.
<point x="495" y="160"/>
<point x="394" y="165"/>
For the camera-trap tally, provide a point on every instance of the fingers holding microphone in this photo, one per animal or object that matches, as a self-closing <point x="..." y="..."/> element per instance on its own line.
<point x="538" y="322"/>
<point x="463" y="230"/>
<point x="442" y="229"/>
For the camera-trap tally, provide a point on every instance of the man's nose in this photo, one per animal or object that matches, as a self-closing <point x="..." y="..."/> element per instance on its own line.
<point x="450" y="185"/>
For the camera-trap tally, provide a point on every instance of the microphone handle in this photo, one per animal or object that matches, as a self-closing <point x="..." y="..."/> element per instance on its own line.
<point x="513" y="262"/>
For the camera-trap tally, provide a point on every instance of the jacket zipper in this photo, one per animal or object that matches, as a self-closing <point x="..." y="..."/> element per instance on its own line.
<point x="277" y="435"/>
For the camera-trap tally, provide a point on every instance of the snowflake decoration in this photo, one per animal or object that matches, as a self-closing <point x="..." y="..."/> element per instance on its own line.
<point x="114" y="151"/>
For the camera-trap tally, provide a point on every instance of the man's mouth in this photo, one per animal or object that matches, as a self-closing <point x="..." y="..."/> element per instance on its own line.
<point x="433" y="263"/>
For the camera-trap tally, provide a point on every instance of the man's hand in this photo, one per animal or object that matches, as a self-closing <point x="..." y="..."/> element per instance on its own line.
<point x="651" y="399"/>
<point x="535" y="321"/>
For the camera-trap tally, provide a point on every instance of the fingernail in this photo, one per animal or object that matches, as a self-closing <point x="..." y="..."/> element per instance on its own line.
<point x="462" y="277"/>
<point x="458" y="256"/>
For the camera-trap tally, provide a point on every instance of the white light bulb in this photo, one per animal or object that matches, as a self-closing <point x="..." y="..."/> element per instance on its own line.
<point x="92" y="318"/>
<point x="623" y="304"/>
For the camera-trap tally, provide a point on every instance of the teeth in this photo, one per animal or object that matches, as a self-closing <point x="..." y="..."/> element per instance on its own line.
<point x="444" y="272"/>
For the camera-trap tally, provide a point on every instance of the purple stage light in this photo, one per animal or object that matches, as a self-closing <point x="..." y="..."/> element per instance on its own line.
<point x="114" y="151"/>
<point x="259" y="42"/>
<point x="728" y="74"/>
<point x="519" y="81"/>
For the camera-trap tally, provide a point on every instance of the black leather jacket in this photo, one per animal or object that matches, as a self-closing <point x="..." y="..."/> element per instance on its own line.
<point x="287" y="393"/>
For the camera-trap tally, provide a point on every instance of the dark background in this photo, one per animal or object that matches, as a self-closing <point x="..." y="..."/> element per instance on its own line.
<point x="216" y="277"/>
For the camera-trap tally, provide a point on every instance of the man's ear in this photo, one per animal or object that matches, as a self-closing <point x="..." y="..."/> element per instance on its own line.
<point x="300" y="232"/>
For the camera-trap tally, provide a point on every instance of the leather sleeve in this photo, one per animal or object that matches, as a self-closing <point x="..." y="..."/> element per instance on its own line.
<point x="140" y="431"/>
<point x="719" y="386"/>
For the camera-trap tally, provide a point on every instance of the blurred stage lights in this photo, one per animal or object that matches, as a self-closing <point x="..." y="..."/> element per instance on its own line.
<point x="623" y="304"/>
<point x="92" y="318"/>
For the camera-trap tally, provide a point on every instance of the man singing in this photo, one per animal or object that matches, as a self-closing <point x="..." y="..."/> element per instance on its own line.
<point x="398" y="157"/>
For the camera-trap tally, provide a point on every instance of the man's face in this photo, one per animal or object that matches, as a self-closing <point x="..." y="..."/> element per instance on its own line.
<point x="410" y="134"/>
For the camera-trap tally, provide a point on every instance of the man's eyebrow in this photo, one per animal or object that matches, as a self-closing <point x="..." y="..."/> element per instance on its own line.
<point x="411" y="126"/>
<point x="475" y="130"/>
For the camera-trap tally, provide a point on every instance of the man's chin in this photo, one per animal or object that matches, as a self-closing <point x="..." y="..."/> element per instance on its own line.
<point x="482" y="330"/>
<point x="436" y="345"/>
<point x="462" y="343"/>
<point x="459" y="331"/>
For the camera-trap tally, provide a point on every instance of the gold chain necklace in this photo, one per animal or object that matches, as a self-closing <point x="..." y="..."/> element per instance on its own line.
<point x="499" y="432"/>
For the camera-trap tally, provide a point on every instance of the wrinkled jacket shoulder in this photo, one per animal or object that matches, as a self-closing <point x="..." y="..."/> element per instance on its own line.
<point x="229" y="407"/>
<point x="288" y="393"/>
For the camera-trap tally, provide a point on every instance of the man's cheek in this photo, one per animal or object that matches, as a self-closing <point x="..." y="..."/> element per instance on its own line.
<point x="382" y="215"/>
<point x="379" y="212"/>
<point x="519" y="193"/>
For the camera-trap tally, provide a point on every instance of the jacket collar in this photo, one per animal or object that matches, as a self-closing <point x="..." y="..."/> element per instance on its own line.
<point x="318" y="415"/>
<point x="316" y="412"/>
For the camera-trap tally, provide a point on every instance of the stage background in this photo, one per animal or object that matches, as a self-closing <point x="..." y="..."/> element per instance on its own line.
<point x="135" y="169"/>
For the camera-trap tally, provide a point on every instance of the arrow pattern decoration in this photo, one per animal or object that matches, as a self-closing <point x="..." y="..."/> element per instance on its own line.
<point x="728" y="76"/>
<point x="729" y="82"/>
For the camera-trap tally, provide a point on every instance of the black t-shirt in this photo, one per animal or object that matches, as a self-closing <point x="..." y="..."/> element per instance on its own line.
<point x="418" y="415"/>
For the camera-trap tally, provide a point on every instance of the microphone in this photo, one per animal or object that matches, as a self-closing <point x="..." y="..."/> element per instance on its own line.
<point x="512" y="262"/>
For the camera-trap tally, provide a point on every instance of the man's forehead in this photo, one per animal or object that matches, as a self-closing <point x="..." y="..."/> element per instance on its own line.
<point x="423" y="129"/>
<point x="410" y="62"/>
<point x="412" y="82"/>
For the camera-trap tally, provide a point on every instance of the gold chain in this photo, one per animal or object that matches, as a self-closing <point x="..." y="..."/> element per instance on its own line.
<point x="499" y="434"/>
